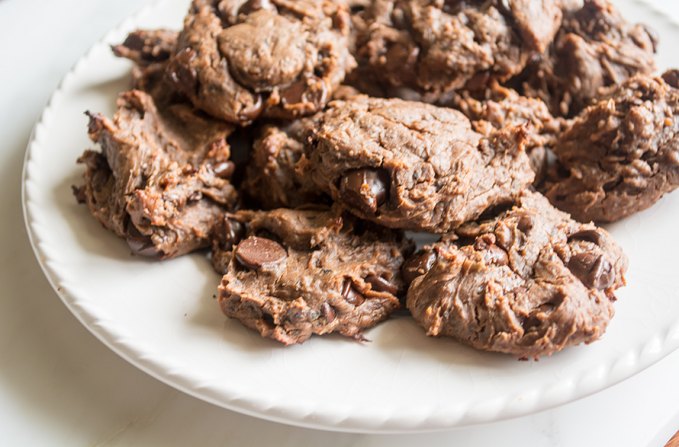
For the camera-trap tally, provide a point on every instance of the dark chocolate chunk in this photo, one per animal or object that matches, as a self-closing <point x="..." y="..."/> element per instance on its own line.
<point x="592" y="269"/>
<point x="366" y="189"/>
<point x="380" y="284"/>
<point x="351" y="294"/>
<point x="418" y="265"/>
<point x="258" y="252"/>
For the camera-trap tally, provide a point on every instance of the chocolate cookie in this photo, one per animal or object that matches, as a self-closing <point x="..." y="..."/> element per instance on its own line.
<point x="239" y="59"/>
<point x="289" y="274"/>
<point x="594" y="49"/>
<point x="150" y="51"/>
<point x="621" y="155"/>
<point x="421" y="49"/>
<point x="161" y="178"/>
<point x="496" y="107"/>
<point x="411" y="165"/>
<point x="528" y="282"/>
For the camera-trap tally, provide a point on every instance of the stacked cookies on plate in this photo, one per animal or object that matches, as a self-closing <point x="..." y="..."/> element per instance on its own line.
<point x="300" y="140"/>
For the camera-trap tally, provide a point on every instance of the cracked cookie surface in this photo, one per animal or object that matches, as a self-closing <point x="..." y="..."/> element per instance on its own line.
<point x="596" y="48"/>
<point x="411" y="165"/>
<point x="425" y="48"/>
<point x="528" y="282"/>
<point x="161" y="178"/>
<point x="621" y="155"/>
<point x="289" y="274"/>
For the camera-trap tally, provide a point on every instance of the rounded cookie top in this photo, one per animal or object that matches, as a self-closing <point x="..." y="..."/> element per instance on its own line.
<point x="529" y="281"/>
<point x="238" y="60"/>
<point x="411" y="165"/>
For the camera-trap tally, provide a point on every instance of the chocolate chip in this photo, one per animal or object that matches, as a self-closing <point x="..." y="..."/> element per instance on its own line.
<point x="593" y="270"/>
<point x="257" y="252"/>
<point x="141" y="244"/>
<point x="586" y="235"/>
<point x="418" y="265"/>
<point x="255" y="5"/>
<point x="328" y="312"/>
<point x="672" y="78"/>
<point x="253" y="111"/>
<point x="525" y="223"/>
<point x="230" y="233"/>
<point x="365" y="189"/>
<point x="351" y="294"/>
<point x="304" y="91"/>
<point x="380" y="284"/>
<point x="224" y="169"/>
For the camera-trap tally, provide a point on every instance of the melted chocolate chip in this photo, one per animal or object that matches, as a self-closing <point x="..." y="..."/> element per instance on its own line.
<point x="593" y="270"/>
<point x="365" y="189"/>
<point x="257" y="252"/>
<point x="672" y="78"/>
<point x="230" y="233"/>
<point x="252" y="112"/>
<point x="224" y="169"/>
<point x="141" y="244"/>
<point x="418" y="265"/>
<point x="328" y="312"/>
<point x="303" y="92"/>
<point x="380" y="284"/>
<point x="255" y="5"/>
<point x="525" y="223"/>
<point x="586" y="235"/>
<point x="351" y="294"/>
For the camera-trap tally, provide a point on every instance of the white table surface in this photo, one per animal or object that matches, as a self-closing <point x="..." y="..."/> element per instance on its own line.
<point x="59" y="386"/>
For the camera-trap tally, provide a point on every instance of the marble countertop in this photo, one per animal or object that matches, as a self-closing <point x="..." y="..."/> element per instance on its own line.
<point x="60" y="386"/>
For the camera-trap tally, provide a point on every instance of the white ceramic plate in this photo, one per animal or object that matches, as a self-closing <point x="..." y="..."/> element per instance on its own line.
<point x="163" y="318"/>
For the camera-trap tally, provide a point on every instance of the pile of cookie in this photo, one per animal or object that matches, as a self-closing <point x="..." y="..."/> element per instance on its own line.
<point x="300" y="139"/>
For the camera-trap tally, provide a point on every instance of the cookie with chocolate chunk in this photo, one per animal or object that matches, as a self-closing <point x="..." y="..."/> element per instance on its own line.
<point x="529" y="281"/>
<point x="289" y="274"/>
<point x="596" y="48"/>
<point x="241" y="59"/>
<point x="621" y="155"/>
<point x="418" y="49"/>
<point x="161" y="179"/>
<point x="495" y="107"/>
<point x="411" y="165"/>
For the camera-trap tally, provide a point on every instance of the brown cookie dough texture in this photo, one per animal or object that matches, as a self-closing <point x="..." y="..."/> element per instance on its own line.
<point x="621" y="155"/>
<point x="238" y="60"/>
<point x="161" y="178"/>
<point x="289" y="274"/>
<point x="150" y="51"/>
<point x="271" y="178"/>
<point x="528" y="282"/>
<point x="411" y="165"/>
<point x="425" y="48"/>
<point x="594" y="49"/>
<point x="496" y="107"/>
